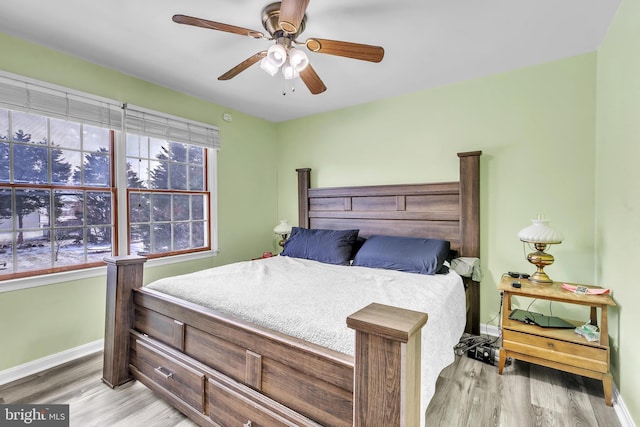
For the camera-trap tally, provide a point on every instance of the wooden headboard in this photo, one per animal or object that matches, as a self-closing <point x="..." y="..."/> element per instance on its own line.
<point x="448" y="211"/>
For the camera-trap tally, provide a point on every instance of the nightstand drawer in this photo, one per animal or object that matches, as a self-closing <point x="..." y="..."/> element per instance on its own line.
<point x="583" y="356"/>
<point x="174" y="376"/>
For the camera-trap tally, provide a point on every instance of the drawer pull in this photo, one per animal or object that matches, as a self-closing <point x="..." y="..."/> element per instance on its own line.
<point x="550" y="344"/>
<point x="165" y="373"/>
<point x="247" y="424"/>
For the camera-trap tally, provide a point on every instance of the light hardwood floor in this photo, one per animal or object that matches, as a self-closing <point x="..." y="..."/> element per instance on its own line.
<point x="468" y="393"/>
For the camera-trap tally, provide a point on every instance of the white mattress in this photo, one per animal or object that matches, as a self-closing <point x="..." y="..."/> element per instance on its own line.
<point x="311" y="300"/>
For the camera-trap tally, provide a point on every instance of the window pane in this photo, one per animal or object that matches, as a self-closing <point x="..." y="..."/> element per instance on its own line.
<point x="139" y="239"/>
<point x="98" y="207"/>
<point x="98" y="243"/>
<point x="5" y="174"/>
<point x="32" y="212"/>
<point x="29" y="128"/>
<point x="31" y="163"/>
<point x="6" y="211"/>
<point x="178" y="174"/>
<point x="196" y="178"/>
<point x="97" y="169"/>
<point x="198" y="234"/>
<point x="197" y="207"/>
<point x="196" y="155"/>
<point x="66" y="167"/>
<point x="180" y="207"/>
<point x="35" y="256"/>
<point x="178" y="152"/>
<point x="157" y="149"/>
<point x="69" y="207"/>
<point x="161" y="207"/>
<point x="181" y="236"/>
<point x="6" y="253"/>
<point x="139" y="207"/>
<point x="4" y="124"/>
<point x="137" y="173"/>
<point x="158" y="175"/>
<point x="95" y="138"/>
<point x="68" y="246"/>
<point x="65" y="134"/>
<point x="161" y="238"/>
<point x="134" y="145"/>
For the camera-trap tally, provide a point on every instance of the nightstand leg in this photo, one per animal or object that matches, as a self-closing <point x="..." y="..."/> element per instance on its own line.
<point x="503" y="359"/>
<point x="607" y="384"/>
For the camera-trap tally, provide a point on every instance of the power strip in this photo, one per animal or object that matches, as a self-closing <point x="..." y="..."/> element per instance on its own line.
<point x="485" y="353"/>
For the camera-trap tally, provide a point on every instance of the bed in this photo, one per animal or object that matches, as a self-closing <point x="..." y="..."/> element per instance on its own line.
<point x="221" y="368"/>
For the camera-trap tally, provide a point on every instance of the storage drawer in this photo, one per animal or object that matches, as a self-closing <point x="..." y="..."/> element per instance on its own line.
<point x="176" y="377"/>
<point x="575" y="354"/>
<point x="233" y="404"/>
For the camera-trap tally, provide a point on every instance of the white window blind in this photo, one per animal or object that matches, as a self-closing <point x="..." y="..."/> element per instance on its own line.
<point x="17" y="93"/>
<point x="141" y="121"/>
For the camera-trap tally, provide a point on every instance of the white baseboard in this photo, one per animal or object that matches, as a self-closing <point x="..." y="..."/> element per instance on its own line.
<point x="47" y="362"/>
<point x="618" y="404"/>
<point x="621" y="409"/>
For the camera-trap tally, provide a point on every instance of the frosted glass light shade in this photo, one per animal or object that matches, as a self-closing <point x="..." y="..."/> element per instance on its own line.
<point x="283" y="230"/>
<point x="298" y="59"/>
<point x="540" y="232"/>
<point x="268" y="66"/>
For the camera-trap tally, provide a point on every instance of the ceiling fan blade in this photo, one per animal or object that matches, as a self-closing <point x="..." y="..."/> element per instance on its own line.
<point x="291" y="14"/>
<point x="363" y="52"/>
<point x="243" y="65"/>
<point x="312" y="80"/>
<point x="197" y="22"/>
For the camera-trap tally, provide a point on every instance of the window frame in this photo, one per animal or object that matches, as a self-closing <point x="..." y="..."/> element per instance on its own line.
<point x="118" y="190"/>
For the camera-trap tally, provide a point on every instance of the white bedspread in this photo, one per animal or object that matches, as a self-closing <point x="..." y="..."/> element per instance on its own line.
<point x="311" y="300"/>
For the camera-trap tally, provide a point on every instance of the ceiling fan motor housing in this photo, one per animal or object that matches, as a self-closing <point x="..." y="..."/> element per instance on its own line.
<point x="271" y="22"/>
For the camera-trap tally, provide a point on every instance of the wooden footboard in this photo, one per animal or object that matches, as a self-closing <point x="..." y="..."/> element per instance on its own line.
<point x="220" y="371"/>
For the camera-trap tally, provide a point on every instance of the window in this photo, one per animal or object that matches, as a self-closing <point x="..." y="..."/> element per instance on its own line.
<point x="168" y="198"/>
<point x="59" y="209"/>
<point x="55" y="193"/>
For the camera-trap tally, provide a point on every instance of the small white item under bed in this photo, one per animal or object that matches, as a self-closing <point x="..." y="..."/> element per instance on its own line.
<point x="311" y="300"/>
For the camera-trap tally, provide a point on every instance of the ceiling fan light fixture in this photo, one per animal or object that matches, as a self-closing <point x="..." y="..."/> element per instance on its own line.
<point x="298" y="59"/>
<point x="268" y="66"/>
<point x="289" y="71"/>
<point x="277" y="54"/>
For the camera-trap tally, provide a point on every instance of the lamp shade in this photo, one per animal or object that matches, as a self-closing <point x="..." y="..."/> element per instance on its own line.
<point x="277" y="54"/>
<point x="540" y="232"/>
<point x="298" y="59"/>
<point x="282" y="229"/>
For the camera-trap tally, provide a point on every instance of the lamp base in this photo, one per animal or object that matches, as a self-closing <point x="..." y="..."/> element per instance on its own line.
<point x="540" y="259"/>
<point x="540" y="277"/>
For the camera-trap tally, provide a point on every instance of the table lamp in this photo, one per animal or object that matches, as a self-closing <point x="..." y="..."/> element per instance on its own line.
<point x="540" y="235"/>
<point x="283" y="230"/>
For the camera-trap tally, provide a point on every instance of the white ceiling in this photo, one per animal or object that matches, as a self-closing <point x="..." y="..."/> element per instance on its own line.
<point x="427" y="43"/>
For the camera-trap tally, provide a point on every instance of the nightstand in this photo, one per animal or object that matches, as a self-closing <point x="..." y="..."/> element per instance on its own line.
<point x="561" y="349"/>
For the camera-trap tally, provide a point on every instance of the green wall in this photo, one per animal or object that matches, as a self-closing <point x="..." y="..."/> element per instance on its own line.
<point x="617" y="193"/>
<point x="535" y="127"/>
<point x="46" y="320"/>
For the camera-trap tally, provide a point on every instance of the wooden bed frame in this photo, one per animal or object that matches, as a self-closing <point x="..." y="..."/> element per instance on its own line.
<point x="220" y="371"/>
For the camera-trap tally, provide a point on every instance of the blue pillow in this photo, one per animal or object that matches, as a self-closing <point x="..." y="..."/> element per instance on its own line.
<point x="410" y="254"/>
<point x="329" y="246"/>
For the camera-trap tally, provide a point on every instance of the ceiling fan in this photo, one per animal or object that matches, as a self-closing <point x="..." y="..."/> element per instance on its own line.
<point x="284" y="21"/>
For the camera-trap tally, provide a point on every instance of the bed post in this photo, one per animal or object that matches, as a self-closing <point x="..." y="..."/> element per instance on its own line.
<point x="387" y="366"/>
<point x="304" y="183"/>
<point x="470" y="228"/>
<point x="124" y="273"/>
